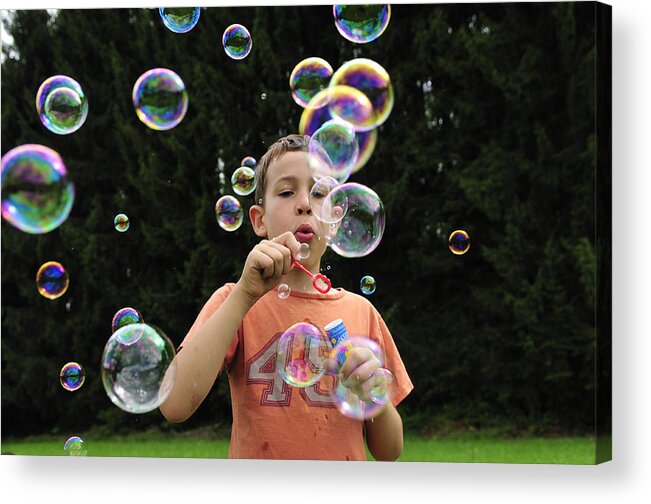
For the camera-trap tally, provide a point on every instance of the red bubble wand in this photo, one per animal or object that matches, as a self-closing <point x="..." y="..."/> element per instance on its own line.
<point x="323" y="289"/>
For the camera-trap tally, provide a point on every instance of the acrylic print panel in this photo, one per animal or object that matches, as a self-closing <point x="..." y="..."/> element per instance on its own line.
<point x="483" y="130"/>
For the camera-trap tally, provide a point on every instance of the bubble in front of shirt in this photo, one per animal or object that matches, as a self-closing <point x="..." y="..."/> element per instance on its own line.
<point x="229" y="213"/>
<point x="125" y="316"/>
<point x="160" y="99"/>
<point x="72" y="376"/>
<point x="52" y="280"/>
<point x="138" y="368"/>
<point x="459" y="242"/>
<point x="333" y="151"/>
<point x="61" y="104"/>
<point x="304" y="251"/>
<point x="180" y="19"/>
<point x="283" y="291"/>
<point x="360" y="230"/>
<point x="37" y="194"/>
<point x="237" y="41"/>
<point x="361" y="23"/>
<point x="367" y="285"/>
<point x="249" y="161"/>
<point x="243" y="180"/>
<point x="317" y="113"/>
<point x="75" y="446"/>
<point x="308" y="78"/>
<point x="121" y="222"/>
<point x="372" y="80"/>
<point x="300" y="354"/>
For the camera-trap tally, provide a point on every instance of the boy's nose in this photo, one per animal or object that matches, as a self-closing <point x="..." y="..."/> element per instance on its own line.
<point x="304" y="206"/>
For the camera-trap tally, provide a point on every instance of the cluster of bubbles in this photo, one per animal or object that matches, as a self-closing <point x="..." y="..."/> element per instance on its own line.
<point x="459" y="242"/>
<point x="367" y="285"/>
<point x="243" y="180"/>
<point x="229" y="213"/>
<point x="160" y="99"/>
<point x="72" y="376"/>
<point x="137" y="367"/>
<point x="52" y="280"/>
<point x="300" y="354"/>
<point x="121" y="222"/>
<point x="61" y="105"/>
<point x="361" y="23"/>
<point x="75" y="446"/>
<point x="37" y="194"/>
<point x="237" y="41"/>
<point x="180" y="19"/>
<point x="124" y="317"/>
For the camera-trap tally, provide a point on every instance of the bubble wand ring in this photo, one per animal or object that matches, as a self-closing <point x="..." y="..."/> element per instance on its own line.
<point x="316" y="278"/>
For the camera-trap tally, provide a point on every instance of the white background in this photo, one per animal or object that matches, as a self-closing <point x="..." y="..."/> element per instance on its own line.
<point x="627" y="479"/>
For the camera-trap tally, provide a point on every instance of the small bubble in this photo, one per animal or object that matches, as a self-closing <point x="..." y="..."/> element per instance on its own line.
<point x="283" y="291"/>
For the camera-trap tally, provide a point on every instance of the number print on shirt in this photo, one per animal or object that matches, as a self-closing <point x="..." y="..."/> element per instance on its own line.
<point x="262" y="368"/>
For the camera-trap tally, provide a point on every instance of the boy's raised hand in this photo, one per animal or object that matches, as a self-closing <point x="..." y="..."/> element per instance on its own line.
<point x="356" y="371"/>
<point x="266" y="264"/>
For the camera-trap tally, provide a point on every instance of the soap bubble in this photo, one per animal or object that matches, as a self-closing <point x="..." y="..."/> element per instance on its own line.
<point x="362" y="227"/>
<point x="243" y="180"/>
<point x="308" y="78"/>
<point x="459" y="242"/>
<point x="75" y="446"/>
<point x="180" y="19"/>
<point x="72" y="376"/>
<point x="317" y="114"/>
<point x="361" y="23"/>
<point x="328" y="209"/>
<point x="283" y="291"/>
<point x="367" y="285"/>
<point x="304" y="251"/>
<point x="137" y="368"/>
<point x="333" y="150"/>
<point x="300" y="357"/>
<point x="351" y="105"/>
<point x="249" y="161"/>
<point x="121" y="222"/>
<point x="377" y="392"/>
<point x="125" y="316"/>
<point x="61" y="105"/>
<point x="160" y="99"/>
<point x="37" y="194"/>
<point x="263" y="96"/>
<point x="229" y="213"/>
<point x="237" y="41"/>
<point x="52" y="280"/>
<point x="372" y="79"/>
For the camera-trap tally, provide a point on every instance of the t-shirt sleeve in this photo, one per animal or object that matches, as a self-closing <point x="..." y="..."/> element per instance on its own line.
<point x="211" y="306"/>
<point x="392" y="360"/>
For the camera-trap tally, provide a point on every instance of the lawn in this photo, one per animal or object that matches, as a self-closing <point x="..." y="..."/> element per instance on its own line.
<point x="452" y="448"/>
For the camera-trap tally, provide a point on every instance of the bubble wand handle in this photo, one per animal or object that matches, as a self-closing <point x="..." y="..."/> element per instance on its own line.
<point x="323" y="287"/>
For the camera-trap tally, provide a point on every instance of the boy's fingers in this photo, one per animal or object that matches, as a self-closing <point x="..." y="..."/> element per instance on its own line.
<point x="286" y="254"/>
<point x="277" y="260"/>
<point x="361" y="374"/>
<point x="289" y="240"/>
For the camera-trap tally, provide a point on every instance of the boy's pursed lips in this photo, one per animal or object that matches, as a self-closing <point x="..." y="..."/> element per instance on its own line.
<point x="304" y="233"/>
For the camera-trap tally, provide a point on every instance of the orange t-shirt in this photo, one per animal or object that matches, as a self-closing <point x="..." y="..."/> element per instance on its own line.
<point x="273" y="420"/>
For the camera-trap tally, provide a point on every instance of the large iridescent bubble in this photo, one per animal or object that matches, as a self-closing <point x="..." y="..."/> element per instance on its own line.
<point x="329" y="210"/>
<point x="180" y="19"/>
<point x="229" y="213"/>
<point x="351" y="105"/>
<point x="373" y="80"/>
<point x="308" y="78"/>
<point x="361" y="23"/>
<point x="72" y="376"/>
<point x="360" y="230"/>
<point x="138" y="370"/>
<point x="52" y="280"/>
<point x="333" y="150"/>
<point x="237" y="41"/>
<point x="160" y="99"/>
<point x="318" y="113"/>
<point x="243" y="180"/>
<point x="61" y="104"/>
<point x="300" y="357"/>
<point x="37" y="194"/>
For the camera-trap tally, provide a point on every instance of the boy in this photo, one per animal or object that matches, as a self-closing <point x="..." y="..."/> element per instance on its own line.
<point x="239" y="327"/>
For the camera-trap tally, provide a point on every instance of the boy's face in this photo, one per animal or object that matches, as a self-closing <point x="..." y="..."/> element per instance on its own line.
<point x="288" y="205"/>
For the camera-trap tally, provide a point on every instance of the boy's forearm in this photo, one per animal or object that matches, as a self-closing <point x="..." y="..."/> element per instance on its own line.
<point x="199" y="362"/>
<point x="384" y="435"/>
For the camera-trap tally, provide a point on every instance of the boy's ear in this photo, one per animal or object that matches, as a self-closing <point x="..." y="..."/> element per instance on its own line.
<point x="256" y="212"/>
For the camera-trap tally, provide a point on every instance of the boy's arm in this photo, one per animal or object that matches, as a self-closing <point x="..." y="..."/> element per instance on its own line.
<point x="384" y="434"/>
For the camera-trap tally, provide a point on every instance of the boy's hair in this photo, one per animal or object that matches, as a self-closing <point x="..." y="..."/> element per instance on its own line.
<point x="285" y="144"/>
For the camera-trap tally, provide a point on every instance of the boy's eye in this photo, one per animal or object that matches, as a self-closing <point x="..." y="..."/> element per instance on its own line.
<point x="284" y="194"/>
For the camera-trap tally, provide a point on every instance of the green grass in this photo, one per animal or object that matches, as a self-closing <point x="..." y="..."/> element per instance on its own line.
<point x="452" y="448"/>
